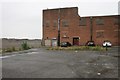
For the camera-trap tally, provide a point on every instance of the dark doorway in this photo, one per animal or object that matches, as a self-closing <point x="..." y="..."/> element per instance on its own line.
<point x="76" y="41"/>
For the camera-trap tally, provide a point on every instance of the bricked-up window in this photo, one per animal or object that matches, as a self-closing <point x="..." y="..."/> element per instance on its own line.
<point x="55" y="23"/>
<point x="65" y="23"/>
<point x="116" y="20"/>
<point x="47" y="23"/>
<point x="83" y="22"/>
<point x="100" y="34"/>
<point x="116" y="33"/>
<point x="99" y="21"/>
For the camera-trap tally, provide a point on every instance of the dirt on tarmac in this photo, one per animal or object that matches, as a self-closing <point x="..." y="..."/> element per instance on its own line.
<point x="42" y="63"/>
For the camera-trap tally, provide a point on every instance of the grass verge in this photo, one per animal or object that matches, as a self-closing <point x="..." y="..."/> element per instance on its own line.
<point x="82" y="48"/>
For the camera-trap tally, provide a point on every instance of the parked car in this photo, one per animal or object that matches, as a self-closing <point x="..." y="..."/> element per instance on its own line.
<point x="65" y="44"/>
<point x="107" y="43"/>
<point x="90" y="43"/>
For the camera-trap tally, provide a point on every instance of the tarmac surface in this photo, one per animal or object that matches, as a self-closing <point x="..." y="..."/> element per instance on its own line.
<point x="42" y="63"/>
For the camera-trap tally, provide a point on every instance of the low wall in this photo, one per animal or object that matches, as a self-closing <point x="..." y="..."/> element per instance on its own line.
<point x="16" y="43"/>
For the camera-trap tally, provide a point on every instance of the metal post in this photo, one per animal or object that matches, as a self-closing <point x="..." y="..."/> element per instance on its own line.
<point x="59" y="28"/>
<point x="106" y="47"/>
<point x="91" y="29"/>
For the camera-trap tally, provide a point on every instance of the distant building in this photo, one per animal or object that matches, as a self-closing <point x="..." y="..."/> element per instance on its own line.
<point x="78" y="30"/>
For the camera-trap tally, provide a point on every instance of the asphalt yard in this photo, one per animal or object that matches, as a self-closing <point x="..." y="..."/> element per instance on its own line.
<point x="42" y="63"/>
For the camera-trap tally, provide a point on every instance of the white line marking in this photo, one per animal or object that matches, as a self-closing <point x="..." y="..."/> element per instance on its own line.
<point x="32" y="53"/>
<point x="1" y="57"/>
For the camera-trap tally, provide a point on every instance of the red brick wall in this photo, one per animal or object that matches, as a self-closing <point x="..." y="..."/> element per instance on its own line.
<point x="110" y="30"/>
<point x="74" y="29"/>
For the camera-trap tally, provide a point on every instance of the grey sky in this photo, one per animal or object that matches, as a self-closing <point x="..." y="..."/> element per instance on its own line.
<point x="23" y="18"/>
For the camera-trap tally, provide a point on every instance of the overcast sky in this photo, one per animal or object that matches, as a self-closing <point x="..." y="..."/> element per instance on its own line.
<point x="23" y="18"/>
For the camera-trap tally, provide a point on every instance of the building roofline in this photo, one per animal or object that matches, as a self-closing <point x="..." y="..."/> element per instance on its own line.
<point x="60" y="8"/>
<point x="78" y="13"/>
<point x="99" y="16"/>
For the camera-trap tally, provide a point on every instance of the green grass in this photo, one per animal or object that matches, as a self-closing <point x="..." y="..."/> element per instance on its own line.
<point x="8" y="50"/>
<point x="82" y="48"/>
<point x="0" y="51"/>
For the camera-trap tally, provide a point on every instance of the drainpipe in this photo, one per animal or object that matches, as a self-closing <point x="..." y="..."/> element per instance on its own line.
<point x="59" y="28"/>
<point x="91" y="29"/>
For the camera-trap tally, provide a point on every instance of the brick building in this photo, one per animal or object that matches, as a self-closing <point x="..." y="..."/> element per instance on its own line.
<point x="78" y="30"/>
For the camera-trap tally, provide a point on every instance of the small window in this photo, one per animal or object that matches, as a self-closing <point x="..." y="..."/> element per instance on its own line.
<point x="116" y="20"/>
<point x="65" y="23"/>
<point x="47" y="23"/>
<point x="99" y="21"/>
<point x="55" y="23"/>
<point x="100" y="34"/>
<point x="83" y="22"/>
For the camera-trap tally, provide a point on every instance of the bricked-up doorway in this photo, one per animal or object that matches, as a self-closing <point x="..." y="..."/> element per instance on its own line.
<point x="76" y="41"/>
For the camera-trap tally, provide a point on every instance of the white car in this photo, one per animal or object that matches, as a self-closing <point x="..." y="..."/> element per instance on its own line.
<point x="107" y="43"/>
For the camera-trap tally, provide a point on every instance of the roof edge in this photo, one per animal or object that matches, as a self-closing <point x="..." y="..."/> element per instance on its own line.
<point x="60" y="8"/>
<point x="100" y="16"/>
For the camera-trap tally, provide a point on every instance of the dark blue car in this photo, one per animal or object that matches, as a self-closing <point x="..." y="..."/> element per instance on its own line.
<point x="65" y="44"/>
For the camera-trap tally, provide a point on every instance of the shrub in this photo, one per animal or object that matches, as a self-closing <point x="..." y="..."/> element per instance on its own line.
<point x="25" y="46"/>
